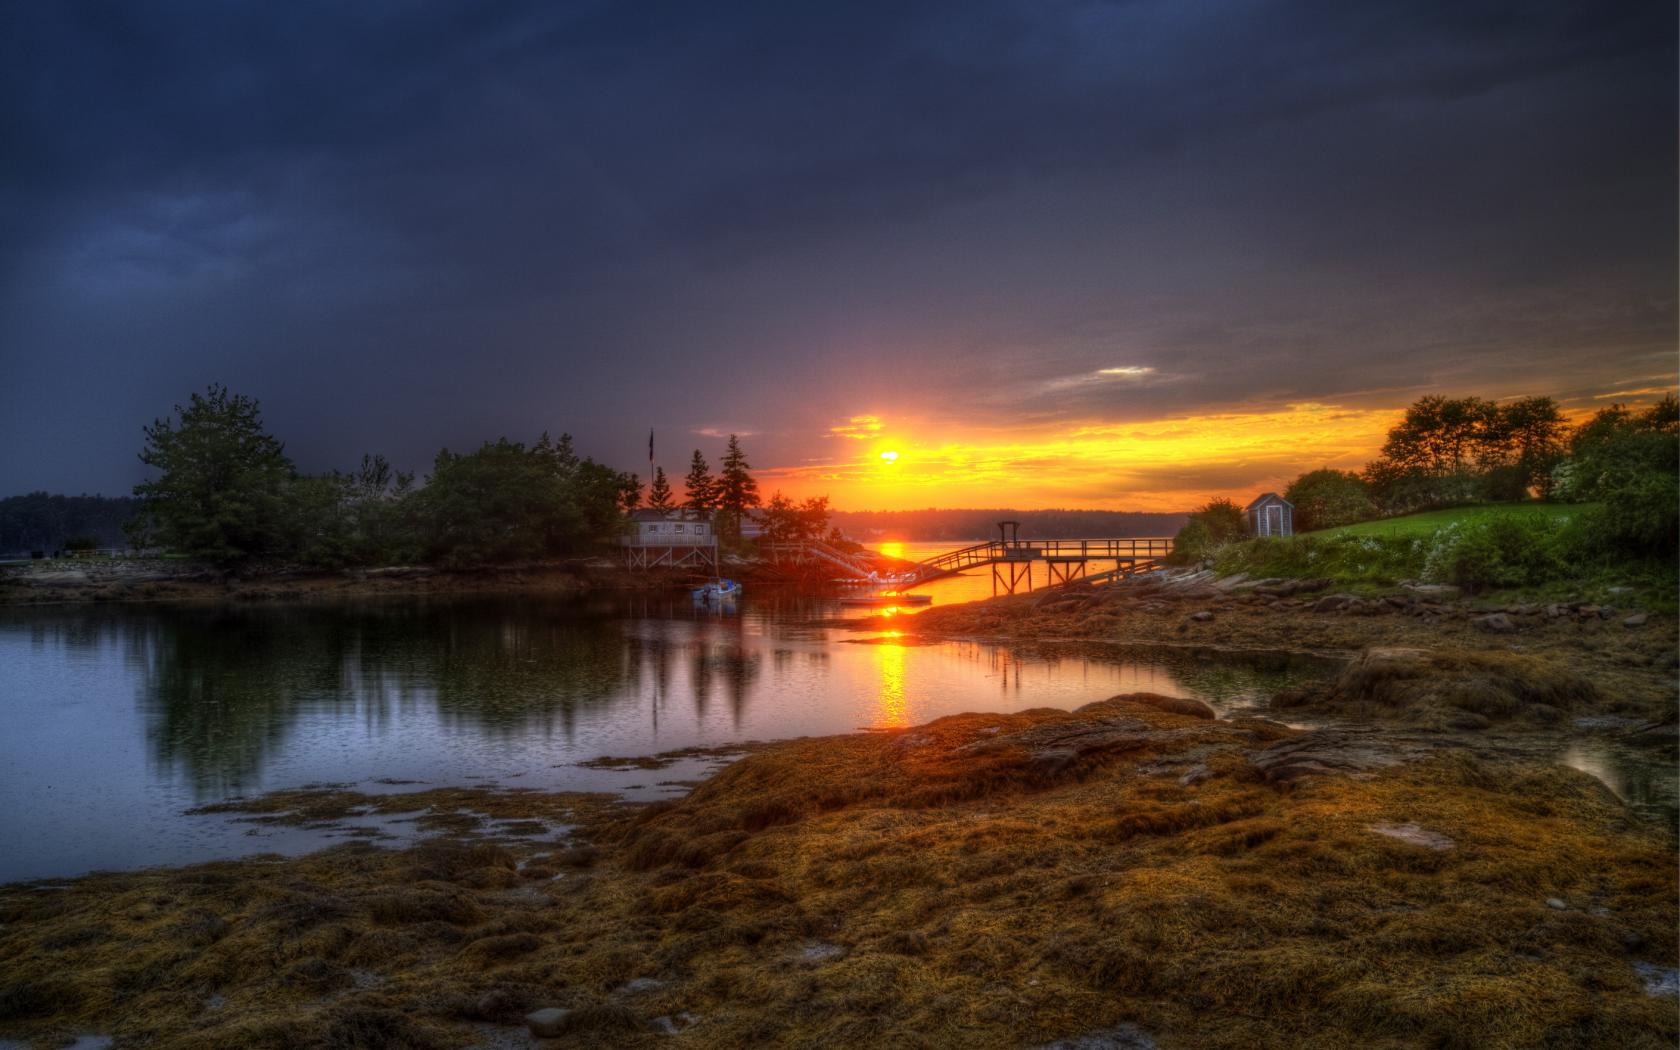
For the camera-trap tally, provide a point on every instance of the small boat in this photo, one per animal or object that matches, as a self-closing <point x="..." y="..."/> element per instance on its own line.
<point x="885" y="599"/>
<point x="718" y="591"/>
<point x="892" y="578"/>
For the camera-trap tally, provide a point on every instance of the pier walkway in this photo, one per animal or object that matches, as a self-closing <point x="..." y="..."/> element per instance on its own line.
<point x="1011" y="559"/>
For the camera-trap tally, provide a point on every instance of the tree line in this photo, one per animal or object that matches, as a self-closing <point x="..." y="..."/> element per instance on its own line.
<point x="41" y="521"/>
<point x="1448" y="452"/>
<point x="225" y="491"/>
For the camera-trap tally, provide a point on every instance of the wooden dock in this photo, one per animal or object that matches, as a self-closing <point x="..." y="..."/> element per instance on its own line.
<point x="1013" y="561"/>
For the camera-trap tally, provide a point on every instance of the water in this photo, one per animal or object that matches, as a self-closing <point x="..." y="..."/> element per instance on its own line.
<point x="117" y="719"/>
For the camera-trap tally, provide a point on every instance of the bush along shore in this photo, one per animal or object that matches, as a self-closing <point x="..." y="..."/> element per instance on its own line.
<point x="1135" y="873"/>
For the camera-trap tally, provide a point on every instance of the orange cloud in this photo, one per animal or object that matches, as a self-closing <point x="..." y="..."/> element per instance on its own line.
<point x="1164" y="464"/>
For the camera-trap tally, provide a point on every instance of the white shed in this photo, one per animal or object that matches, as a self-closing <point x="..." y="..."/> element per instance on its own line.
<point x="1270" y="515"/>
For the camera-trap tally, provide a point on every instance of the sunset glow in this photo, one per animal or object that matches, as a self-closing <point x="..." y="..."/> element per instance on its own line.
<point x="1156" y="465"/>
<point x="1166" y="464"/>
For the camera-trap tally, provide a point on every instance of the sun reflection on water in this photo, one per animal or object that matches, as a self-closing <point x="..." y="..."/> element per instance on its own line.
<point x="892" y="707"/>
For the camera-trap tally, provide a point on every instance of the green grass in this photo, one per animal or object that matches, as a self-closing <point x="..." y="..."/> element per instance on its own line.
<point x="1506" y="549"/>
<point x="1419" y="526"/>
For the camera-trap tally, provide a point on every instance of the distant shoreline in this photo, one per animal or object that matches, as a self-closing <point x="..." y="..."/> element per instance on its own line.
<point x="61" y="581"/>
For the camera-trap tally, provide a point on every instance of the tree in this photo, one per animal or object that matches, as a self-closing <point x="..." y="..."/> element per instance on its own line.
<point x="500" y="502"/>
<point x="736" y="488"/>
<point x="505" y="502"/>
<point x="1631" y="463"/>
<point x="380" y="504"/>
<point x="222" y="485"/>
<point x="1521" y="442"/>
<point x="1212" y="525"/>
<point x="812" y="518"/>
<point x="631" y="496"/>
<point x="1326" y="498"/>
<point x="38" y="521"/>
<point x="659" y="494"/>
<point x="781" y="520"/>
<point x="700" y="488"/>
<point x="1437" y="453"/>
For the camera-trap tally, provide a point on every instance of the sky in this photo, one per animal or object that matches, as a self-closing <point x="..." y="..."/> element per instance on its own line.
<point x="1114" y="255"/>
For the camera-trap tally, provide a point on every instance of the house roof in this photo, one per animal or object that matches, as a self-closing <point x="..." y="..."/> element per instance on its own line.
<point x="648" y="514"/>
<point x="1264" y="496"/>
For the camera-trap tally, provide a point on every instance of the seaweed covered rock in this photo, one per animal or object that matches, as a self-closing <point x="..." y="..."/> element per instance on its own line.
<point x="1044" y="878"/>
<point x="1441" y="688"/>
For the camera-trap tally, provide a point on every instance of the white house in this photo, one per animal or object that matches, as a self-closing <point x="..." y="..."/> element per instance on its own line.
<point x="658" y="528"/>
<point x="670" y="539"/>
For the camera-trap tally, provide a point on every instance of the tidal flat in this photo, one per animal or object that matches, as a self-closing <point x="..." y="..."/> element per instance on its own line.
<point x="1352" y="861"/>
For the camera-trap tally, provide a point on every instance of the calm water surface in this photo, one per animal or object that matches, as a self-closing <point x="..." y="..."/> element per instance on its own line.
<point x="119" y="718"/>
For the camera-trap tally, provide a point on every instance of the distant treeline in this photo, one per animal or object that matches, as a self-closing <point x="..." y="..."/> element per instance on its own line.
<point x="935" y="524"/>
<point x="39" y="521"/>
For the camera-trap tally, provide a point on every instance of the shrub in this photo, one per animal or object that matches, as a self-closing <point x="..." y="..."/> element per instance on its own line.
<point x="1327" y="498"/>
<point x="1368" y="559"/>
<point x="1211" y="526"/>
<point x="1497" y="552"/>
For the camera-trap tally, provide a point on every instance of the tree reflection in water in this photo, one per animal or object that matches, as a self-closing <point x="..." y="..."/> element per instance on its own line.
<point x="223" y="687"/>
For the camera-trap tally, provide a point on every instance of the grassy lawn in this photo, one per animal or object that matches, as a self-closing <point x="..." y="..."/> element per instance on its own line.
<point x="1496" y="551"/>
<point x="1418" y="526"/>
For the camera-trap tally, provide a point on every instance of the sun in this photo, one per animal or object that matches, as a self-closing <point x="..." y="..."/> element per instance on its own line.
<point x="890" y="456"/>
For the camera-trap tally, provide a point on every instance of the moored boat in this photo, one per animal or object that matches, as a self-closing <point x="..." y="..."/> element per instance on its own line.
<point x="718" y="591"/>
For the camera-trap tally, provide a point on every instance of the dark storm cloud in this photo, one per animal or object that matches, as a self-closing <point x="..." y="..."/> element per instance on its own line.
<point x="403" y="225"/>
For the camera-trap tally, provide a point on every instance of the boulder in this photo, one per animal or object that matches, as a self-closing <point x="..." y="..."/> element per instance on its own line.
<point x="1178" y="705"/>
<point x="1441" y="592"/>
<point x="1202" y="616"/>
<point x="547" y="1023"/>
<point x="1636" y="620"/>
<point x="1494" y="623"/>
<point x="1323" y="752"/>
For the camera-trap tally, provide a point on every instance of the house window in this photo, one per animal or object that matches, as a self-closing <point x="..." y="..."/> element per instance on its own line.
<point x="677" y="528"/>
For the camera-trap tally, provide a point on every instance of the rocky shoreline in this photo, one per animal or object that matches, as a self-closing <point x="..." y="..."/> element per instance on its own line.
<point x="167" y="580"/>
<point x="1589" y="658"/>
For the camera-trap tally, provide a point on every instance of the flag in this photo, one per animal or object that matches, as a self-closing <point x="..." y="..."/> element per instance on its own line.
<point x="650" y="446"/>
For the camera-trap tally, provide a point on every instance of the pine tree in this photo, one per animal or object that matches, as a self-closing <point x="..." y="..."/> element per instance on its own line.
<point x="700" y="486"/>
<point x="222" y="482"/>
<point x="659" y="495"/>
<point x="736" y="488"/>
<point x="630" y="493"/>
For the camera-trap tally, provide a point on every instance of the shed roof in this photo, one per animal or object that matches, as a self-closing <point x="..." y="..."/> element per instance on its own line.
<point x="1264" y="496"/>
